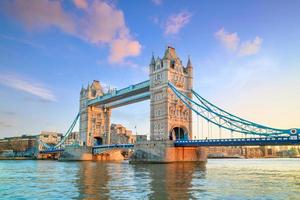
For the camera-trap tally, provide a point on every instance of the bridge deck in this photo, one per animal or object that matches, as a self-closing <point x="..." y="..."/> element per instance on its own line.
<point x="49" y="151"/>
<point x="103" y="148"/>
<point x="292" y="140"/>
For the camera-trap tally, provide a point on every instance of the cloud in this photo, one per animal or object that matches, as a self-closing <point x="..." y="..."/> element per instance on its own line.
<point x="19" y="83"/>
<point x="231" y="42"/>
<point x="81" y="4"/>
<point x="121" y="48"/>
<point x="42" y="14"/>
<point x="250" y="47"/>
<point x="99" y="23"/>
<point x="4" y="125"/>
<point x="176" y="22"/>
<point x="157" y="2"/>
<point x="23" y="41"/>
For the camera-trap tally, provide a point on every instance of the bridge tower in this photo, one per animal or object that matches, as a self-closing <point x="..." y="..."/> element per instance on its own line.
<point x="170" y="119"/>
<point x="94" y="126"/>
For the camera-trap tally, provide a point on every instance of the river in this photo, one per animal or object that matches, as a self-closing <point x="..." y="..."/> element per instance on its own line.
<point x="218" y="179"/>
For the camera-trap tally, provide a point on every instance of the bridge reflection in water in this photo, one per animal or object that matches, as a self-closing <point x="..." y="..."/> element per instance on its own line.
<point x="221" y="179"/>
<point x="100" y="180"/>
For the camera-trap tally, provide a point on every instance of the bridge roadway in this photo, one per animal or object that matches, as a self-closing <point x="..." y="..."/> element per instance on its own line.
<point x="50" y="151"/>
<point x="271" y="141"/>
<point x="131" y="94"/>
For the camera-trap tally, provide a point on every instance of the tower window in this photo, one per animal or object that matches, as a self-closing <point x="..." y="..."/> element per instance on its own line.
<point x="172" y="64"/>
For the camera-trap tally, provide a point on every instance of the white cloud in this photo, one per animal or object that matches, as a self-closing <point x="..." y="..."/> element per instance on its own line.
<point x="100" y="23"/>
<point x="250" y="47"/>
<point x="231" y="41"/>
<point x="20" y="83"/>
<point x="176" y="22"/>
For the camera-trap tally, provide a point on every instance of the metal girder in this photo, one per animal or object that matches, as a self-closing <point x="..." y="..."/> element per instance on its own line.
<point x="121" y="94"/>
<point x="128" y="100"/>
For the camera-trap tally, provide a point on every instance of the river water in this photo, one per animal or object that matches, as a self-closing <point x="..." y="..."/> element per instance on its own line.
<point x="219" y="179"/>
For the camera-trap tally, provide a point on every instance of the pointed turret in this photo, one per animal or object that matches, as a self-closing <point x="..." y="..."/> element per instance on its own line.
<point x="82" y="90"/>
<point x="152" y="60"/>
<point x="189" y="63"/>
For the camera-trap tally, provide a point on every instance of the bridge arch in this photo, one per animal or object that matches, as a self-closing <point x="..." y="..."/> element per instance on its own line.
<point x="178" y="133"/>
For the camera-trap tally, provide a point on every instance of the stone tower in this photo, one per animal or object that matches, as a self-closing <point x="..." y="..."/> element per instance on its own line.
<point x="94" y="123"/>
<point x="170" y="119"/>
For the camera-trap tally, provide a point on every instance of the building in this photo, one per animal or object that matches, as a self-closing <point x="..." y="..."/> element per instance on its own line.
<point x="94" y="126"/>
<point x="49" y="138"/>
<point x="254" y="151"/>
<point x="140" y="138"/>
<point x="73" y="139"/>
<point x="22" y="146"/>
<point x="120" y="134"/>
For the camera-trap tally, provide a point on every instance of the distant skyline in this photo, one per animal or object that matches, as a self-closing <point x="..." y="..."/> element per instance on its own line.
<point x="246" y="57"/>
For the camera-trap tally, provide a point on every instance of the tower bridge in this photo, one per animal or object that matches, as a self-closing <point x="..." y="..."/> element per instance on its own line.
<point x="170" y="90"/>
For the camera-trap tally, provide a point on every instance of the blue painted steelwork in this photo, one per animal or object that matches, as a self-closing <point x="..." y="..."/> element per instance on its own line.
<point x="51" y="150"/>
<point x="48" y="147"/>
<point x="266" y="141"/>
<point x="128" y="100"/>
<point x="225" y="120"/>
<point x="143" y="86"/>
<point x="104" y="148"/>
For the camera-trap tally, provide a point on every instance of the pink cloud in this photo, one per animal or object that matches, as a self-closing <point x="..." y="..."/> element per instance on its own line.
<point x="100" y="23"/>
<point x="176" y="22"/>
<point x="121" y="48"/>
<point x="250" y="47"/>
<point x="42" y="14"/>
<point x="81" y="4"/>
<point x="229" y="40"/>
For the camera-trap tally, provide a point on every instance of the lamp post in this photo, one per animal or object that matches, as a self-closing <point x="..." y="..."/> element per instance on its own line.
<point x="135" y="133"/>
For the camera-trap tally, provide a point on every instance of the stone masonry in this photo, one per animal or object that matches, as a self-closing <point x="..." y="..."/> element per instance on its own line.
<point x="169" y="117"/>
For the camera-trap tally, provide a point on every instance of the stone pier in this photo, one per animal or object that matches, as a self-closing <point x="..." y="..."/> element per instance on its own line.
<point x="166" y="152"/>
<point x="85" y="154"/>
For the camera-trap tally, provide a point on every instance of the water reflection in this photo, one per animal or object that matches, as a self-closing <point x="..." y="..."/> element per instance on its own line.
<point x="221" y="179"/>
<point x="100" y="180"/>
<point x="174" y="181"/>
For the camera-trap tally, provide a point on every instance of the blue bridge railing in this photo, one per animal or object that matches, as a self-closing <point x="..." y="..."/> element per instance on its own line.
<point x="49" y="151"/>
<point x="272" y="141"/>
<point x="103" y="148"/>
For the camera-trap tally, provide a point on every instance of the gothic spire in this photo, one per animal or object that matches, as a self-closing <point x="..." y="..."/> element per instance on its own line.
<point x="189" y="63"/>
<point x="152" y="60"/>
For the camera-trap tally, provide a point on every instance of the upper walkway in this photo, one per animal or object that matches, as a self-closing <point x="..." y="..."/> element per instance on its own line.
<point x="128" y="95"/>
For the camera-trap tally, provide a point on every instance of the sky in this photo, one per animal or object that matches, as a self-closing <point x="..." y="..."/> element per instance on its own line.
<point x="246" y="57"/>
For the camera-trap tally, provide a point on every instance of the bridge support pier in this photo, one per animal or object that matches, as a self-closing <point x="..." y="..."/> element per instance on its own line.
<point x="115" y="155"/>
<point x="166" y="152"/>
<point x="85" y="154"/>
